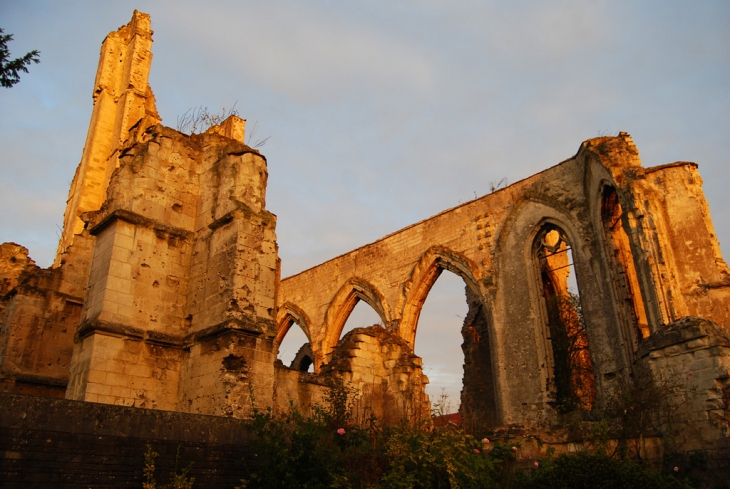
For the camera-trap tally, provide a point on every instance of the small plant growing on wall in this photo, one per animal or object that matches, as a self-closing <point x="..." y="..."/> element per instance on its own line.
<point x="179" y="478"/>
<point x="199" y="119"/>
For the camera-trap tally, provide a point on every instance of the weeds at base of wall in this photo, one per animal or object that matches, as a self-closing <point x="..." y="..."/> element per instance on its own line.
<point x="327" y="450"/>
<point x="178" y="478"/>
<point x="313" y="452"/>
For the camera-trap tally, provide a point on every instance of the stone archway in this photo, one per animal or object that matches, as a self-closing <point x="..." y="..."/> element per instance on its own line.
<point x="339" y="309"/>
<point x="478" y="407"/>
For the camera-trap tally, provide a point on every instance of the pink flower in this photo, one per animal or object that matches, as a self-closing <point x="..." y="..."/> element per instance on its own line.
<point x="341" y="431"/>
<point x="514" y="449"/>
<point x="536" y="464"/>
<point x="676" y="469"/>
<point x="485" y="441"/>
<point x="476" y="450"/>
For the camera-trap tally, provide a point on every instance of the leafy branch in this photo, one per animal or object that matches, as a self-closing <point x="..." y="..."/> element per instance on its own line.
<point x="9" y="70"/>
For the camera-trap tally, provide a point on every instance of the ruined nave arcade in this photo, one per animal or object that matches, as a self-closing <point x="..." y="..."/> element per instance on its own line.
<point x="166" y="289"/>
<point x="625" y="228"/>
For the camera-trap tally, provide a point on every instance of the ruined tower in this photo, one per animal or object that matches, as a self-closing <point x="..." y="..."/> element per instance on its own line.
<point x="122" y="96"/>
<point x="165" y="292"/>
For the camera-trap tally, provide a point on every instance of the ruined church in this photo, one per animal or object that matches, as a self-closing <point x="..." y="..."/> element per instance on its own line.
<point x="166" y="291"/>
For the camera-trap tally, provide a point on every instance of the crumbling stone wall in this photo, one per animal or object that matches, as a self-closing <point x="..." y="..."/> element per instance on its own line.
<point x="489" y="242"/>
<point x="185" y="254"/>
<point x="165" y="291"/>
<point x="690" y="359"/>
<point x="122" y="97"/>
<point x="379" y="369"/>
<point x="385" y="372"/>
<point x="168" y="261"/>
<point x="40" y="311"/>
<point x="478" y="395"/>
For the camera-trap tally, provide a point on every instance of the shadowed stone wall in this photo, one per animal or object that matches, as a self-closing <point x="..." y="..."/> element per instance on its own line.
<point x="71" y="444"/>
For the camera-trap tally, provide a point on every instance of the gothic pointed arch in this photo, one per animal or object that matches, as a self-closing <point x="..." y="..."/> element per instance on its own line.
<point x="520" y="316"/>
<point x="287" y="315"/>
<point x="571" y="378"/>
<point x="424" y="275"/>
<point x="344" y="301"/>
<point x="304" y="359"/>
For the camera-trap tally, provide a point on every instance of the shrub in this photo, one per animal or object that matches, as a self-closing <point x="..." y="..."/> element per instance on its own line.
<point x="325" y="450"/>
<point x="178" y="478"/>
<point x="584" y="470"/>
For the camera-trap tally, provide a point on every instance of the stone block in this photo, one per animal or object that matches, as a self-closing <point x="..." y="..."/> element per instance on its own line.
<point x="120" y="298"/>
<point x="141" y="371"/>
<point x="120" y="392"/>
<point x="117" y="378"/>
<point x="122" y="244"/>
<point x="97" y="377"/>
<point x="100" y="389"/>
<point x="120" y="270"/>
<point x="90" y="397"/>
<point x="698" y="343"/>
<point x="702" y="363"/>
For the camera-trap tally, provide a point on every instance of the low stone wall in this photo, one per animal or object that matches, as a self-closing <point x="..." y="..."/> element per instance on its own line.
<point x="71" y="444"/>
<point x="691" y="356"/>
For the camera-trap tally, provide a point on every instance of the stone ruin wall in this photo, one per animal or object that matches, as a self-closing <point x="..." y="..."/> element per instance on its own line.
<point x="165" y="292"/>
<point x="658" y="262"/>
<point x="122" y="96"/>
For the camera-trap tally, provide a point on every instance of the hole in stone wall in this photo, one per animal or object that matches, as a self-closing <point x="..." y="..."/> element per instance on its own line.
<point x="293" y="348"/>
<point x="438" y="342"/>
<point x="234" y="363"/>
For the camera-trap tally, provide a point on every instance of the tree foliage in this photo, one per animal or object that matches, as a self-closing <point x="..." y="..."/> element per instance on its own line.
<point x="9" y="70"/>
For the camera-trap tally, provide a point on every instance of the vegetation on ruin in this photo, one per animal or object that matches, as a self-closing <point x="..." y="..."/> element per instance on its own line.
<point x="574" y="383"/>
<point x="178" y="479"/>
<point x="197" y="120"/>
<point x="10" y="69"/>
<point x="327" y="450"/>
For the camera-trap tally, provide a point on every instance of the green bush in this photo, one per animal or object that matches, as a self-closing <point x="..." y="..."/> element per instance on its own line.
<point x="594" y="471"/>
<point x="294" y="451"/>
<point x="311" y="452"/>
<point x="325" y="450"/>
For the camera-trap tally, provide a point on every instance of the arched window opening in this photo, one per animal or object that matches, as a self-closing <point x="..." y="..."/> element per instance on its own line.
<point x="362" y="316"/>
<point x="621" y="260"/>
<point x="573" y="383"/>
<point x="439" y="344"/>
<point x="295" y="351"/>
<point x="459" y="366"/>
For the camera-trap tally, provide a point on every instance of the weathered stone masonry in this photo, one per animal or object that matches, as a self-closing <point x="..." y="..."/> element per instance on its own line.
<point x="166" y="294"/>
<point x="489" y="243"/>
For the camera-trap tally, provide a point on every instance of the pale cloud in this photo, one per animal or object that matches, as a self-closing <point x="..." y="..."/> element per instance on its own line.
<point x="311" y="54"/>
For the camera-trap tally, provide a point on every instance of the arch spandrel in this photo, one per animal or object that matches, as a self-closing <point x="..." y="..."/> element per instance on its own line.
<point x="340" y="308"/>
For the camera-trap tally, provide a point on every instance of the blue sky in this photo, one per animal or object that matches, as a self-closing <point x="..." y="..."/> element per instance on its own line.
<point x="379" y="113"/>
